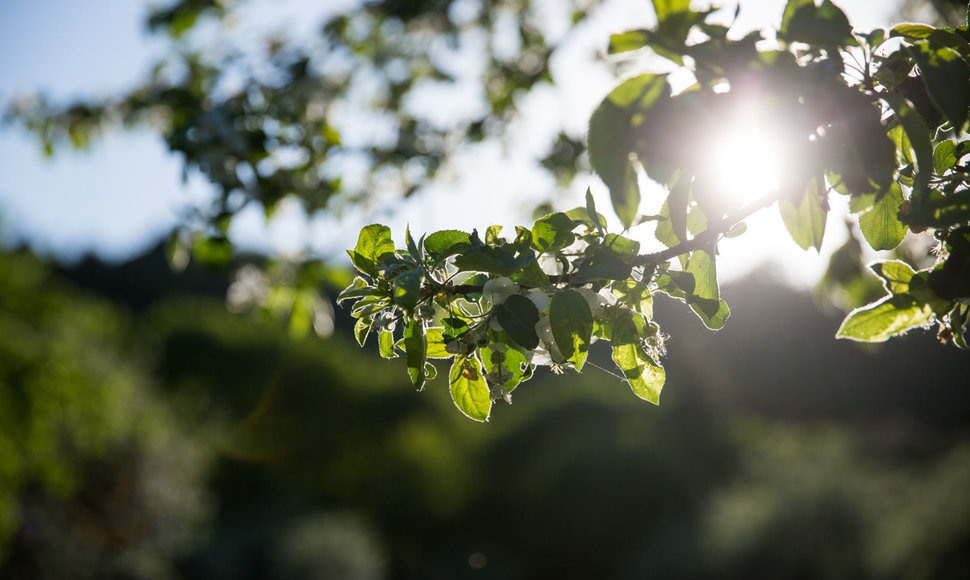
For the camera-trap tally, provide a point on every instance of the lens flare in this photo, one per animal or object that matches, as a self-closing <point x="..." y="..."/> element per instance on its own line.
<point x="747" y="163"/>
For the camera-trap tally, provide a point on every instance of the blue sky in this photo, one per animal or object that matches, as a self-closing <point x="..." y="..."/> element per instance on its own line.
<point x="126" y="192"/>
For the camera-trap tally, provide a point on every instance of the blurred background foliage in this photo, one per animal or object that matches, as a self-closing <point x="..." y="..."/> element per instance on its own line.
<point x="150" y="433"/>
<point x="362" y="114"/>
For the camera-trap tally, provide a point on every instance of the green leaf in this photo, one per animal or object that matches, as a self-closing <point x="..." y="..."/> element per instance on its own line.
<point x="488" y="259"/>
<point x="912" y="30"/>
<point x="510" y="359"/>
<point x="611" y="139"/>
<point x="625" y="248"/>
<point x="612" y="260"/>
<point x="385" y="343"/>
<point x="362" y="329"/>
<point x="531" y="275"/>
<point x="436" y="344"/>
<point x="553" y="232"/>
<point x="593" y="215"/>
<point x="944" y="156"/>
<point x="825" y="25"/>
<point x="407" y="289"/>
<point x="895" y="275"/>
<point x="937" y="37"/>
<point x="891" y="316"/>
<point x="945" y="74"/>
<point x="880" y="225"/>
<point x="737" y="230"/>
<point x="664" y="231"/>
<point x="572" y="325"/>
<point x="454" y="329"/>
<point x="356" y="289"/>
<point x="645" y="376"/>
<point x="581" y="215"/>
<point x="919" y="143"/>
<point x="469" y="390"/>
<point x="666" y="8"/>
<point x="806" y="221"/>
<point x="713" y="318"/>
<point x="677" y="206"/>
<point x="857" y="147"/>
<point x="413" y="249"/>
<point x="444" y="243"/>
<point x="493" y="234"/>
<point x="373" y="245"/>
<point x="629" y="40"/>
<point x="635" y="295"/>
<point x="703" y="267"/>
<point x="416" y="352"/>
<point x="518" y="317"/>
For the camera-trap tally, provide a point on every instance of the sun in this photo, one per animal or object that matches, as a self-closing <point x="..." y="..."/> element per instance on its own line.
<point x="747" y="163"/>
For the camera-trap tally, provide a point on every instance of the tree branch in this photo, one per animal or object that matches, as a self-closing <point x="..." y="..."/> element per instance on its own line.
<point x="708" y="236"/>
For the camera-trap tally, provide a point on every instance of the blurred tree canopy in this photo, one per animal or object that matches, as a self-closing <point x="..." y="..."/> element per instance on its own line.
<point x="365" y="112"/>
<point x="98" y="475"/>
<point x="201" y="444"/>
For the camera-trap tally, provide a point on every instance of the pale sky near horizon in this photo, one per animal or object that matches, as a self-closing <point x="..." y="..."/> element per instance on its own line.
<point x="125" y="193"/>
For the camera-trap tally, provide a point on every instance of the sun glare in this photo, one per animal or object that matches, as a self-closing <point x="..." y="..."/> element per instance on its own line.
<point x="747" y="164"/>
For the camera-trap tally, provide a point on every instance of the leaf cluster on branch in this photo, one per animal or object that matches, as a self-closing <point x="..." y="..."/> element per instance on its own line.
<point x="877" y="117"/>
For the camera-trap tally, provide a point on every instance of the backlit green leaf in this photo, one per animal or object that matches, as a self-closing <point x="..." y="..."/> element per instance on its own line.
<point x="826" y="25"/>
<point x="357" y="289"/>
<point x="416" y="352"/>
<point x="712" y="317"/>
<point x="880" y="225"/>
<point x="665" y="8"/>
<point x="488" y="259"/>
<point x="594" y="215"/>
<point x="407" y="288"/>
<point x="895" y="275"/>
<point x="436" y="343"/>
<point x="889" y="317"/>
<point x="468" y="388"/>
<point x="806" y="221"/>
<point x="635" y="295"/>
<point x="645" y="376"/>
<point x="703" y="267"/>
<point x="373" y="244"/>
<point x="511" y="360"/>
<point x="572" y="325"/>
<point x="611" y="138"/>
<point x="362" y="329"/>
<point x="553" y="232"/>
<point x="944" y="156"/>
<point x="919" y="143"/>
<point x="944" y="72"/>
<point x="444" y="243"/>
<point x="386" y="344"/>
<point x="629" y="40"/>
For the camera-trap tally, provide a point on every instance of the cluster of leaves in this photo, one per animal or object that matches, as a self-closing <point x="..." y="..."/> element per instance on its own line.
<point x="876" y="117"/>
<point x="499" y="307"/>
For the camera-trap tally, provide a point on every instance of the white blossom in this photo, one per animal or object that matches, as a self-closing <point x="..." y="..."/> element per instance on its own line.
<point x="497" y="290"/>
